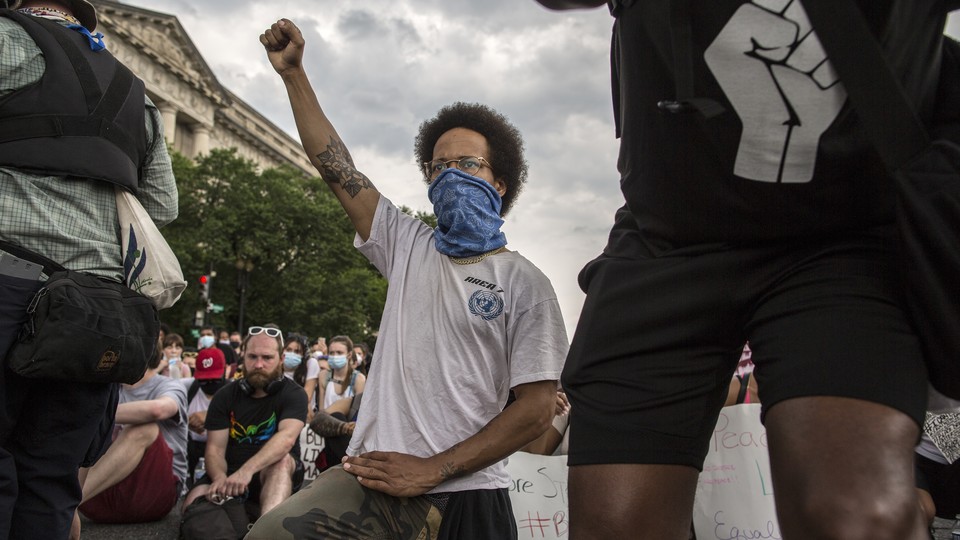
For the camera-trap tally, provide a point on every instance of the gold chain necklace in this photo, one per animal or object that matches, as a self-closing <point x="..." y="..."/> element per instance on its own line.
<point x="477" y="258"/>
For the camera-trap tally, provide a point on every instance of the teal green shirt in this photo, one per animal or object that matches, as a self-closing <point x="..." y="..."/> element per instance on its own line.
<point x="73" y="220"/>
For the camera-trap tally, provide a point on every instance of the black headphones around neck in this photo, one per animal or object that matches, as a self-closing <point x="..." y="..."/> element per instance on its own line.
<point x="272" y="387"/>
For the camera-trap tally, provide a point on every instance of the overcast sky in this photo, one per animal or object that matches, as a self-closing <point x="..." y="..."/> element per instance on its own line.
<point x="380" y="67"/>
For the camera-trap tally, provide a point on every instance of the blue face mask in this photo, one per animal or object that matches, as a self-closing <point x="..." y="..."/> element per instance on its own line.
<point x="468" y="214"/>
<point x="206" y="342"/>
<point x="291" y="360"/>
<point x="337" y="362"/>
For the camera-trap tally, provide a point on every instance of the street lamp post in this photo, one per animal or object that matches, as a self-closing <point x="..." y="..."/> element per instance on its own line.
<point x="244" y="267"/>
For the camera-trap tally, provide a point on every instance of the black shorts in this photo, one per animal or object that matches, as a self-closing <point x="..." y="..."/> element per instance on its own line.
<point x="659" y="338"/>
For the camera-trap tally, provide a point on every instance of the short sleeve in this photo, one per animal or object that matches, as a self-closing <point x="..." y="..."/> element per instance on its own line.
<point x="293" y="402"/>
<point x="392" y="237"/>
<point x="313" y="369"/>
<point x="538" y="344"/>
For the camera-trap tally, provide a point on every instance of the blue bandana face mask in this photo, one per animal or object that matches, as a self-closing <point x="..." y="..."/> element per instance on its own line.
<point x="468" y="214"/>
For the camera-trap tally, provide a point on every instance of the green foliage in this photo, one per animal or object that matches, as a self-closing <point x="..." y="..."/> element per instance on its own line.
<point x="289" y="231"/>
<point x="427" y="217"/>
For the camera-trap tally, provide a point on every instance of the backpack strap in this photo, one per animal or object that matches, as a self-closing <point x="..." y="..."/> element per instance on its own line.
<point x="192" y="391"/>
<point x="354" y="407"/>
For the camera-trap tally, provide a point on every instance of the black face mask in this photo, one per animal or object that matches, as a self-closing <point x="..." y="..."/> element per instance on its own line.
<point x="211" y="387"/>
<point x="235" y="344"/>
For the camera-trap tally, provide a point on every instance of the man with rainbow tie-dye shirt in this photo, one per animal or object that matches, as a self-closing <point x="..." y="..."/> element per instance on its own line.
<point x="253" y="431"/>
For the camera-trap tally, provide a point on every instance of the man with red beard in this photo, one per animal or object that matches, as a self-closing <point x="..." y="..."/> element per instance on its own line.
<point x="253" y="431"/>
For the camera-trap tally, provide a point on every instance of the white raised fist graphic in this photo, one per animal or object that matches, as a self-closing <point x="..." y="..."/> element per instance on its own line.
<point x="776" y="75"/>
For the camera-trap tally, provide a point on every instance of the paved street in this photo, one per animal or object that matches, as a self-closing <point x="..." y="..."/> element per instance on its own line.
<point x="168" y="529"/>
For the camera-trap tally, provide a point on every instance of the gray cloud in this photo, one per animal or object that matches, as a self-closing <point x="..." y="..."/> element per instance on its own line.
<point x="382" y="66"/>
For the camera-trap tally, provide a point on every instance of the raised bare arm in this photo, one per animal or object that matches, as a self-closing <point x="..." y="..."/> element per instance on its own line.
<point x="284" y="45"/>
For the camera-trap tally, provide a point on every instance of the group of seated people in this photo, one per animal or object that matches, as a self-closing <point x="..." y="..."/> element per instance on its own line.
<point x="243" y="420"/>
<point x="235" y="450"/>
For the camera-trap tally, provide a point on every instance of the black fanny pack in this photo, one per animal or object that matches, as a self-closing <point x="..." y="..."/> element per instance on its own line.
<point x="84" y="328"/>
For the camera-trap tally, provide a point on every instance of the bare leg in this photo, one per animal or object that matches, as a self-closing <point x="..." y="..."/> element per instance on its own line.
<point x="75" y="526"/>
<point x="194" y="494"/>
<point x="927" y="505"/>
<point x="631" y="501"/>
<point x="843" y="469"/>
<point x="121" y="459"/>
<point x="277" y="484"/>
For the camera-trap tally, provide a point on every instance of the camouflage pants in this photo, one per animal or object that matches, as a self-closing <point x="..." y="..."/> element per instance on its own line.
<point x="335" y="506"/>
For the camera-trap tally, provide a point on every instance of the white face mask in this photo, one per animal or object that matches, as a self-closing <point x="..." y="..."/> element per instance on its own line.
<point x="206" y="342"/>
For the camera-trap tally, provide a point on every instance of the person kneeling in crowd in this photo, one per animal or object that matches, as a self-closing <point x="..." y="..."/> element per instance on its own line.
<point x="140" y="477"/>
<point x="253" y="443"/>
<point x="466" y="321"/>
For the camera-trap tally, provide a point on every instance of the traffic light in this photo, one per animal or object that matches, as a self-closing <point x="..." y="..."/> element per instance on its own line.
<point x="205" y="287"/>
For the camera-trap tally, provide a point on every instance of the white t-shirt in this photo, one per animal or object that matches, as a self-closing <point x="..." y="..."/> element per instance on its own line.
<point x="453" y="340"/>
<point x="199" y="403"/>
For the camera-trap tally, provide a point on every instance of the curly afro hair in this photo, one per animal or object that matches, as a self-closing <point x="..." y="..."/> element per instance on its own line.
<point x="504" y="140"/>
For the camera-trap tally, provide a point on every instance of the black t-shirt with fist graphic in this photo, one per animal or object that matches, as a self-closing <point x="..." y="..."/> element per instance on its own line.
<point x="786" y="157"/>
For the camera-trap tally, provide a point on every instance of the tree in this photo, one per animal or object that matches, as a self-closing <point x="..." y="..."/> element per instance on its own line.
<point x="277" y="235"/>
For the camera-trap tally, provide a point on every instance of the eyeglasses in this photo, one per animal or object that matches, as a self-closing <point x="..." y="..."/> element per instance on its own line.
<point x="272" y="332"/>
<point x="468" y="164"/>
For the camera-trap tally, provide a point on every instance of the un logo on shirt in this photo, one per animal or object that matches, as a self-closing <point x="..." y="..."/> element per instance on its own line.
<point x="486" y="304"/>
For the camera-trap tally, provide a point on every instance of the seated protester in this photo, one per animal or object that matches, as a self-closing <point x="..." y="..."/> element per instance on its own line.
<point x="140" y="477"/>
<point x="253" y="443"/>
<point x="209" y="376"/>
<point x="361" y="353"/>
<point x="304" y="370"/>
<point x="172" y="365"/>
<point x="335" y="424"/>
<point x="342" y="380"/>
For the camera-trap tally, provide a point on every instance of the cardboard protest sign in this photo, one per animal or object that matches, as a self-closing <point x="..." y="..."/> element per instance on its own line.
<point x="734" y="498"/>
<point x="538" y="492"/>
<point x="310" y="446"/>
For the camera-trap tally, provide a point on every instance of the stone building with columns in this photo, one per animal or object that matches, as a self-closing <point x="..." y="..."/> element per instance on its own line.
<point x="199" y="114"/>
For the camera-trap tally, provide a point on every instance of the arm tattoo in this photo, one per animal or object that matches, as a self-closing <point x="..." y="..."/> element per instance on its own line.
<point x="327" y="426"/>
<point x="449" y="471"/>
<point x="337" y="166"/>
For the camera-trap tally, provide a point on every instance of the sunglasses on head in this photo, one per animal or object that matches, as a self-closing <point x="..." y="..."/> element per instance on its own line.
<point x="272" y="332"/>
